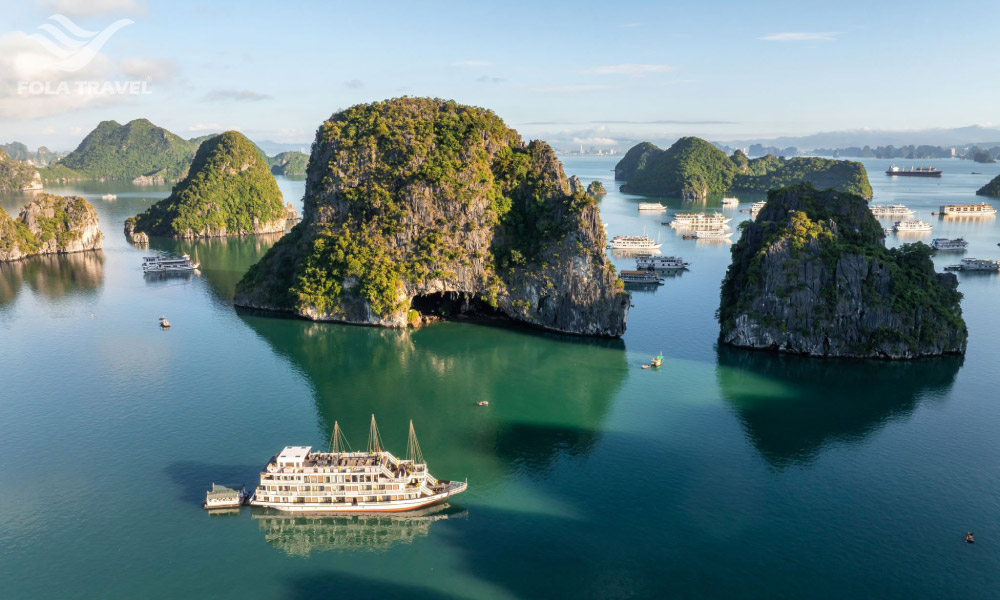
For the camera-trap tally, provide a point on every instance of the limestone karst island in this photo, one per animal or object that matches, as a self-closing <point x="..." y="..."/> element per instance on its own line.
<point x="499" y="300"/>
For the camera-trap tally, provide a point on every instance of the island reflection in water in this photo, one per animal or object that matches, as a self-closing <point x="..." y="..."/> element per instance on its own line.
<point x="300" y="535"/>
<point x="548" y="394"/>
<point x="52" y="276"/>
<point x="792" y="406"/>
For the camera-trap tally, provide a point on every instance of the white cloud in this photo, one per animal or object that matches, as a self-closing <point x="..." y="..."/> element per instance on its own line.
<point x="153" y="69"/>
<point x="571" y="89"/>
<point x="355" y="84"/>
<point x="825" y="36"/>
<point x="203" y="127"/>
<point x="234" y="95"/>
<point x="471" y="63"/>
<point x="92" y="7"/>
<point x="631" y="69"/>
<point x="595" y="141"/>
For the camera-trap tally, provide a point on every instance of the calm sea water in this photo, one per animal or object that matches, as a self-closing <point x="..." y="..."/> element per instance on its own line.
<point x="723" y="474"/>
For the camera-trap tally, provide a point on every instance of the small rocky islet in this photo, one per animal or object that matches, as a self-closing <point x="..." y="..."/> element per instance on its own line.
<point x="811" y="275"/>
<point x="693" y="169"/>
<point x="17" y="175"/>
<point x="418" y="207"/>
<point x="229" y="190"/>
<point x="50" y="224"/>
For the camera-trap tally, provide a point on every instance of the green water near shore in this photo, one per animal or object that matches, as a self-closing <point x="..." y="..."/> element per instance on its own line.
<point x="723" y="474"/>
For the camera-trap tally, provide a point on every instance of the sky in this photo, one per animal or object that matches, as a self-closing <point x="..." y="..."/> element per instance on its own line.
<point x="599" y="74"/>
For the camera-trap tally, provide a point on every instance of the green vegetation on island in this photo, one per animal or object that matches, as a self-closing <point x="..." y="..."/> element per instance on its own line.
<point x="228" y="191"/>
<point x="49" y="224"/>
<point x="418" y="207"/>
<point x="811" y="275"/>
<point x="693" y="169"/>
<point x="16" y="175"/>
<point x="991" y="189"/>
<point x="289" y="163"/>
<point x="115" y="151"/>
<point x="596" y="190"/>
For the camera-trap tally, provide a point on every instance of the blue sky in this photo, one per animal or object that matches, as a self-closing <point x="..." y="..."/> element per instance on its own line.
<point x="596" y="73"/>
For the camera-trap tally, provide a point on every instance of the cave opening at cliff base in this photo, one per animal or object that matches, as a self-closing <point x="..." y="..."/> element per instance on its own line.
<point x="451" y="305"/>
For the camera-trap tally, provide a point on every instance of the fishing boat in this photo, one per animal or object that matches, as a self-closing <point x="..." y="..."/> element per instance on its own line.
<point x="657" y="360"/>
<point x="913" y="171"/>
<point x="911" y="226"/>
<point x="163" y="264"/>
<point x="221" y="496"/>
<point x="164" y="323"/>
<point x="651" y="206"/>
<point x="713" y="234"/>
<point x="945" y="244"/>
<point x="665" y="263"/>
<point x="643" y="276"/>
<point x="109" y="197"/>
<point x="881" y="211"/>
<point x="975" y="264"/>
<point x="346" y="481"/>
<point x="483" y="403"/>
<point x="982" y="209"/>
<point x="730" y="202"/>
<point x="633" y="242"/>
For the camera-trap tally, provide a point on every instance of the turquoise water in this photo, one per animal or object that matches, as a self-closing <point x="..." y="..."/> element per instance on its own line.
<point x="723" y="474"/>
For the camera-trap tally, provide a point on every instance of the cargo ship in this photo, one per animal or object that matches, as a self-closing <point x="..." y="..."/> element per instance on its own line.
<point x="913" y="171"/>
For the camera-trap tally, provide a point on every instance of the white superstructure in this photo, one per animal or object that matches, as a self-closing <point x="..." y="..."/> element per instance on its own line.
<point x="300" y="480"/>
<point x="633" y="242"/>
<point x="163" y="264"/>
<point x="713" y="234"/>
<point x="730" y="201"/>
<point x="699" y="221"/>
<point x="651" y="206"/>
<point x="912" y="226"/>
<point x="890" y="210"/>
<point x="982" y="209"/>
<point x="975" y="264"/>
<point x="947" y="244"/>
<point x="641" y="276"/>
<point x="664" y="263"/>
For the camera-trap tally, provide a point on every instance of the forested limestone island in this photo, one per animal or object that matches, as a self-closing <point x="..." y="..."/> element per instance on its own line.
<point x="693" y="169"/>
<point x="145" y="154"/>
<point x="49" y="224"/>
<point x="596" y="190"/>
<point x="419" y="208"/>
<point x="17" y="176"/>
<point x="991" y="189"/>
<point x="228" y="191"/>
<point x="811" y="275"/>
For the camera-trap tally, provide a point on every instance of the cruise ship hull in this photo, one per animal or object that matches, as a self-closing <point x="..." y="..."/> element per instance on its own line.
<point x="364" y="507"/>
<point x="913" y="173"/>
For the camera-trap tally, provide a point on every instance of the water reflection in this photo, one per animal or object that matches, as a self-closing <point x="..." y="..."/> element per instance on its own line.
<point x="556" y="387"/>
<point x="791" y="407"/>
<point x="52" y="276"/>
<point x="300" y="535"/>
<point x="222" y="260"/>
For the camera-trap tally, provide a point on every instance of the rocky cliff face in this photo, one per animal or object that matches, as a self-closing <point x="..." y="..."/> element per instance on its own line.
<point x="18" y="176"/>
<point x="418" y="208"/>
<point x="811" y="275"/>
<point x="228" y="191"/>
<point x="48" y="225"/>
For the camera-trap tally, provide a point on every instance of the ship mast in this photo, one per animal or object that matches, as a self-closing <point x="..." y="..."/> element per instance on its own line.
<point x="338" y="441"/>
<point x="374" y="439"/>
<point x="413" y="453"/>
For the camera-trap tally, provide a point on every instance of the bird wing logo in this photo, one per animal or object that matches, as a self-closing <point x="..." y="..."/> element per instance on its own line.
<point x="73" y="46"/>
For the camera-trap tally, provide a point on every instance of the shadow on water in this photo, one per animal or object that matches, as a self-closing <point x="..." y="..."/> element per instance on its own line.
<point x="223" y="260"/>
<point x="301" y="535"/>
<point x="53" y="276"/>
<point x="791" y="406"/>
<point x="436" y="375"/>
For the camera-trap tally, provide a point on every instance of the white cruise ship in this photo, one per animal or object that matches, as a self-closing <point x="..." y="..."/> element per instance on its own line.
<point x="663" y="263"/>
<point x="652" y="206"/>
<point x="975" y="264"/>
<point x="713" y="234"/>
<point x="982" y="209"/>
<point x="882" y="211"/>
<point x="911" y="226"/>
<point x="699" y="221"/>
<point x="730" y="202"/>
<point x="756" y="206"/>
<point x="947" y="244"/>
<point x="633" y="242"/>
<point x="300" y="480"/>
<point x="645" y="276"/>
<point x="162" y="264"/>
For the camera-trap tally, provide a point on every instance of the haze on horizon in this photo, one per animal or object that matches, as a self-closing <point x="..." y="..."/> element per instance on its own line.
<point x="587" y="73"/>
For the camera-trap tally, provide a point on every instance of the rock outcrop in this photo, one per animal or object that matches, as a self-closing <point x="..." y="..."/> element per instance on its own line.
<point x="596" y="190"/>
<point x="18" y="176"/>
<point x="228" y="191"/>
<point x="811" y="275"/>
<point x="692" y="169"/>
<point x="49" y="225"/>
<point x="419" y="208"/>
<point x="991" y="189"/>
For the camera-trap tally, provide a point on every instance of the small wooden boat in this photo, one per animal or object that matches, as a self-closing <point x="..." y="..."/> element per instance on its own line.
<point x="483" y="403"/>
<point x="969" y="538"/>
<point x="221" y="496"/>
<point x="645" y="366"/>
<point x="688" y="236"/>
<point x="657" y="361"/>
<point x="164" y="323"/>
